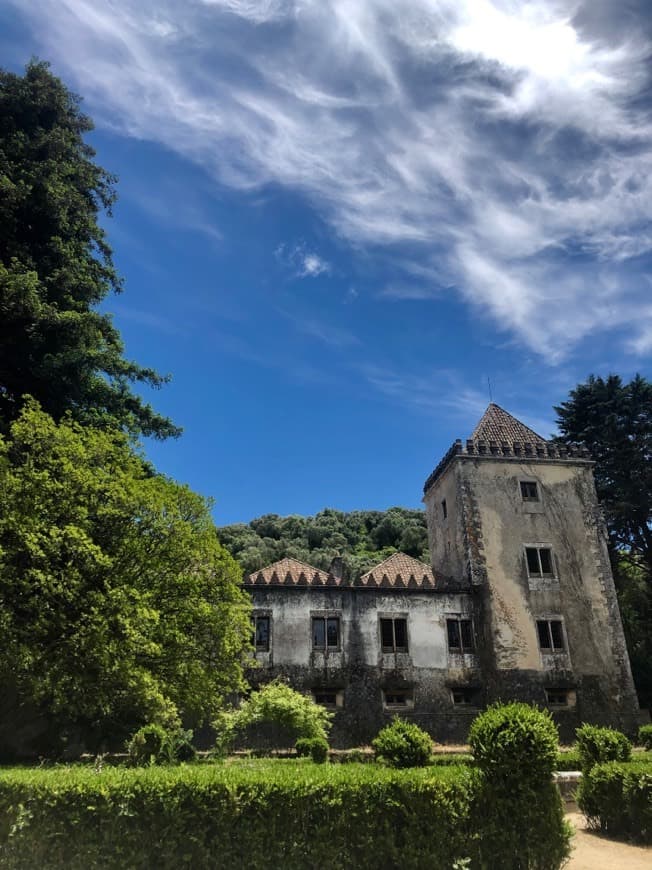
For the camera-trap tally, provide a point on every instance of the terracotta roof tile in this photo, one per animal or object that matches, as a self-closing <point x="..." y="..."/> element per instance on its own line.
<point x="497" y="425"/>
<point x="399" y="571"/>
<point x="291" y="572"/>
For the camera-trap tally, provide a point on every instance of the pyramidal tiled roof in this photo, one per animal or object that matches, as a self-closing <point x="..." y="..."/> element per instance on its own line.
<point x="399" y="571"/>
<point x="291" y="572"/>
<point x="497" y="425"/>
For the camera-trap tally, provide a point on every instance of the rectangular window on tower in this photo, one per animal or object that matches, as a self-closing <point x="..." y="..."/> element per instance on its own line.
<point x="540" y="562"/>
<point x="551" y="635"/>
<point x="529" y="490"/>
<point x="460" y="635"/>
<point x="393" y="634"/>
<point x="261" y="626"/>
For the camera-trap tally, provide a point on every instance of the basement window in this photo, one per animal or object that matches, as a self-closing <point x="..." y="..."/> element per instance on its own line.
<point x="396" y="698"/>
<point x="529" y="490"/>
<point x="551" y="635"/>
<point x="325" y="632"/>
<point x="460" y="635"/>
<point x="261" y="633"/>
<point x="557" y="697"/>
<point x="464" y="696"/>
<point x="539" y="562"/>
<point x="330" y="698"/>
<point x="393" y="633"/>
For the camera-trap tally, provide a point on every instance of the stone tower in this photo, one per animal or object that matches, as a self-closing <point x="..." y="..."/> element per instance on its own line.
<point x="515" y="520"/>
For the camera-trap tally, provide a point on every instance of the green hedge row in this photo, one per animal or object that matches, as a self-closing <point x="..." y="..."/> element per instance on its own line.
<point x="259" y="814"/>
<point x="617" y="798"/>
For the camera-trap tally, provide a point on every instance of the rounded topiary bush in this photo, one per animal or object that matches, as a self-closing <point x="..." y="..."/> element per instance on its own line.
<point x="597" y="745"/>
<point x="403" y="744"/>
<point x="645" y="737"/>
<point x="313" y="747"/>
<point x="515" y="742"/>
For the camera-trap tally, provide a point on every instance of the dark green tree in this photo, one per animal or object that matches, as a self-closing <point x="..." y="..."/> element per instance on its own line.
<point x="56" y="266"/>
<point x="614" y="420"/>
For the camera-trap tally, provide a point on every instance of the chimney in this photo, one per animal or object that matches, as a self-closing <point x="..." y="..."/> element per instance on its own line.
<point x="337" y="568"/>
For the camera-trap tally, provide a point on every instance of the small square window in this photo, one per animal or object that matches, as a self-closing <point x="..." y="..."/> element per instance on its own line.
<point x="444" y="509"/>
<point x="325" y="632"/>
<point x="529" y="490"/>
<point x="393" y="634"/>
<point x="464" y="696"/>
<point x="460" y="635"/>
<point x="398" y="697"/>
<point x="327" y="697"/>
<point x="551" y="635"/>
<point x="557" y="697"/>
<point x="261" y="633"/>
<point x="539" y="562"/>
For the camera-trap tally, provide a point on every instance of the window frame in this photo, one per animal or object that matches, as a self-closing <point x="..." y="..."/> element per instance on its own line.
<point x="461" y="649"/>
<point x="540" y="575"/>
<point x="407" y="694"/>
<point x="338" y="695"/>
<point x="529" y="499"/>
<point x="255" y="617"/>
<point x="550" y="697"/>
<point x="552" y="649"/>
<point x="444" y="509"/>
<point x="393" y="619"/>
<point x="468" y="693"/>
<point x="325" y="618"/>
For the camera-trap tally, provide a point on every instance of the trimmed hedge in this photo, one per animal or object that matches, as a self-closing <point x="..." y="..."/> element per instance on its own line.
<point x="597" y="745"/>
<point x="403" y="744"/>
<point x="617" y="798"/>
<point x="287" y="814"/>
<point x="645" y="737"/>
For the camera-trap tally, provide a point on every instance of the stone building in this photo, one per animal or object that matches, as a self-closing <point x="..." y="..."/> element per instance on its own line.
<point x="519" y="602"/>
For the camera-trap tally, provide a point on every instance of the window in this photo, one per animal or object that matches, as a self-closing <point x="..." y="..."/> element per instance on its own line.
<point x="539" y="562"/>
<point x="261" y="633"/>
<point x="551" y="635"/>
<point x="325" y="632"/>
<point x="444" y="509"/>
<point x="393" y="633"/>
<point x="460" y="635"/>
<point x="529" y="490"/>
<point x="328" y="697"/>
<point x="557" y="697"/>
<point x="464" y="696"/>
<point x="398" y="697"/>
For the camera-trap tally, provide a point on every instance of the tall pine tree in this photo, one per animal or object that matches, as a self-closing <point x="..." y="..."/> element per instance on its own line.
<point x="56" y="266"/>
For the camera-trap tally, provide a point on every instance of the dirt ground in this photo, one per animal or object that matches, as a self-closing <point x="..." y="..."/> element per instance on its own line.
<point x="593" y="851"/>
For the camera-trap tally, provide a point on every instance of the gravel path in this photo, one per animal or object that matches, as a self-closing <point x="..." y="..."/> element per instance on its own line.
<point x="593" y="851"/>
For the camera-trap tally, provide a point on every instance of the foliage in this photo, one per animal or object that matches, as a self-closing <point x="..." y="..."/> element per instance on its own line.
<point x="645" y="737"/>
<point x="56" y="265"/>
<point x="514" y="740"/>
<point x="597" y="745"/>
<point x="118" y="607"/>
<point x="403" y="744"/>
<point x="617" y="797"/>
<point x="313" y="747"/>
<point x="153" y="744"/>
<point x="362" y="538"/>
<point x="285" y="814"/>
<point x="275" y="717"/>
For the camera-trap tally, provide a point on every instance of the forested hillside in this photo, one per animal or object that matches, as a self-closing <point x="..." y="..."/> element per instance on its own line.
<point x="363" y="538"/>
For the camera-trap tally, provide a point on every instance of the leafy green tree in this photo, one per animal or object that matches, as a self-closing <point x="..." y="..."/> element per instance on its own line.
<point x="56" y="266"/>
<point x="118" y="606"/>
<point x="614" y="420"/>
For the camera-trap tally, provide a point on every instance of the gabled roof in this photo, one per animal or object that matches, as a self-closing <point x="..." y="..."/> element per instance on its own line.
<point x="291" y="572"/>
<point x="399" y="571"/>
<point x="497" y="425"/>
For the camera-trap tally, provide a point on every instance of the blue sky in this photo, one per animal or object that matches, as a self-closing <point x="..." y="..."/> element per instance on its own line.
<point x="338" y="219"/>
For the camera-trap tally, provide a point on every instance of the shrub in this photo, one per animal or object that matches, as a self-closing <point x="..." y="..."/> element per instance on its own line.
<point x="645" y="737"/>
<point x="617" y="797"/>
<point x="314" y="747"/>
<point x="153" y="744"/>
<point x="403" y="744"/>
<point x="514" y="742"/>
<point x="515" y="750"/>
<point x="598" y="745"/>
<point x="276" y="716"/>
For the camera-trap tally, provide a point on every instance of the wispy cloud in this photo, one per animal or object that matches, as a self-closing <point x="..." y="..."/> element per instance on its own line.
<point x="303" y="262"/>
<point x="509" y="144"/>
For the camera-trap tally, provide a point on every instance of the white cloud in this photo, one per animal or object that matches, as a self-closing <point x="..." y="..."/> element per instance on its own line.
<point x="303" y="262"/>
<point x="508" y="143"/>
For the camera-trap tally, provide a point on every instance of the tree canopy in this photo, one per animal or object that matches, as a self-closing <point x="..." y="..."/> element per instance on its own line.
<point x="56" y="266"/>
<point x="614" y="420"/>
<point x="118" y="606"/>
<point x="362" y="538"/>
